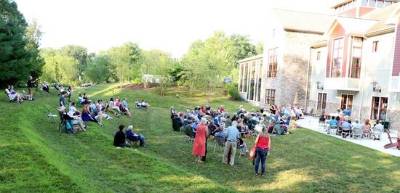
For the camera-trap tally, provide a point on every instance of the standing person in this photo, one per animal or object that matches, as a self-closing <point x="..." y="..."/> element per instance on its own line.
<point x="62" y="101"/>
<point x="232" y="135"/>
<point x="199" y="144"/>
<point x="30" y="84"/>
<point x="119" y="137"/>
<point x="263" y="145"/>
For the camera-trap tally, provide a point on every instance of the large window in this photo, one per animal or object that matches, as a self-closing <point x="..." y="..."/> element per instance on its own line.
<point x="270" y="96"/>
<point x="355" y="68"/>
<point x="246" y="71"/>
<point x="259" y="90"/>
<point x="337" y="58"/>
<point x="272" y="63"/>
<point x="346" y="102"/>
<point x="379" y="108"/>
<point x="321" y="103"/>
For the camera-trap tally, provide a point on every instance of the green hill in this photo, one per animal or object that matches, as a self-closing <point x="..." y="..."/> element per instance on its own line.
<point x="35" y="157"/>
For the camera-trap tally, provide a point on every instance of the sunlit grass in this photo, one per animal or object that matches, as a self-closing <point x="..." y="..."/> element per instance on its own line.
<point x="34" y="157"/>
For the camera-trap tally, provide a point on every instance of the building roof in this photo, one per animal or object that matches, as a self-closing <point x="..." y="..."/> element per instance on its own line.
<point x="384" y="19"/>
<point x="319" y="44"/>
<point x="353" y="26"/>
<point x="251" y="58"/>
<point x="340" y="3"/>
<point x="303" y="21"/>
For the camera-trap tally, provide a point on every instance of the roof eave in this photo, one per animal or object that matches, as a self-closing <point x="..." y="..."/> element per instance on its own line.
<point x="380" y="32"/>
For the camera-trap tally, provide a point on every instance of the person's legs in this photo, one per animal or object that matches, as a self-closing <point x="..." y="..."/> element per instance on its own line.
<point x="263" y="158"/>
<point x="226" y="153"/>
<point x="257" y="160"/>
<point x="233" y="152"/>
<point x="141" y="140"/>
<point x="205" y="155"/>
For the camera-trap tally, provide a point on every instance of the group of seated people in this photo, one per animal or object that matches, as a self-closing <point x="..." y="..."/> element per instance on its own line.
<point x="127" y="138"/>
<point x="14" y="96"/>
<point x="142" y="104"/>
<point x="118" y="107"/>
<point x="248" y="123"/>
<point x="346" y="128"/>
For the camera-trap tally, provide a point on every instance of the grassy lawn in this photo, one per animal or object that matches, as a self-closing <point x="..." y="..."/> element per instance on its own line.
<point x="35" y="157"/>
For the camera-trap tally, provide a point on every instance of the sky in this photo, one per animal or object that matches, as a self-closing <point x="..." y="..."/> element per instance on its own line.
<point x="168" y="25"/>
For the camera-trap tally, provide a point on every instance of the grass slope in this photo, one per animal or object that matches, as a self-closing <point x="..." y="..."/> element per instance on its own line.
<point x="34" y="157"/>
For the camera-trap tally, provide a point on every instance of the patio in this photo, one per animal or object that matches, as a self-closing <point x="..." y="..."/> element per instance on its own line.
<point x="312" y="123"/>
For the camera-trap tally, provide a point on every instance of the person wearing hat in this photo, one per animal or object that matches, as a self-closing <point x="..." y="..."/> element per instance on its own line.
<point x="132" y="136"/>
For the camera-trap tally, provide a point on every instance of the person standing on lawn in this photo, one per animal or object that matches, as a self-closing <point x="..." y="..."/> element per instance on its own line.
<point x="232" y="135"/>
<point x="263" y="145"/>
<point x="199" y="144"/>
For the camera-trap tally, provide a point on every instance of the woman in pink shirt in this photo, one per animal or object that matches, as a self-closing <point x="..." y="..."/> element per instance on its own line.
<point x="263" y="145"/>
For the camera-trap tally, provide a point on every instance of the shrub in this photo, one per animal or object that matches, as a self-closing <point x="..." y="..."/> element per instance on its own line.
<point x="233" y="92"/>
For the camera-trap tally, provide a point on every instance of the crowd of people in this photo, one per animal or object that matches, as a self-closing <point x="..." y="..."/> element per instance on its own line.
<point x="343" y="126"/>
<point x="230" y="130"/>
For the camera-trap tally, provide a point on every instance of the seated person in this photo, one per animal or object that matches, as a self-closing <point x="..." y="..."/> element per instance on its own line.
<point x="45" y="87"/>
<point x="111" y="107"/>
<point x="132" y="136"/>
<point x="119" y="137"/>
<point x="333" y="123"/>
<point x="378" y="130"/>
<point x="346" y="128"/>
<point x="80" y="99"/>
<point x="76" y="116"/>
<point x="13" y="95"/>
<point x="123" y="108"/>
<point x="242" y="147"/>
<point x="367" y="128"/>
<point x="86" y="116"/>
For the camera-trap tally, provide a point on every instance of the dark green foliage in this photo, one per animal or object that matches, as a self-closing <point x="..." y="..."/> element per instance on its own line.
<point x="233" y="91"/>
<point x="14" y="58"/>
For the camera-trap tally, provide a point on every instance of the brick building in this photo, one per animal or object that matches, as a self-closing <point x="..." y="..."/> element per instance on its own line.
<point x="327" y="62"/>
<point x="357" y="63"/>
<point x="280" y="73"/>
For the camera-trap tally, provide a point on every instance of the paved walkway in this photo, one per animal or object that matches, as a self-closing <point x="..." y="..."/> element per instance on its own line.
<point x="312" y="124"/>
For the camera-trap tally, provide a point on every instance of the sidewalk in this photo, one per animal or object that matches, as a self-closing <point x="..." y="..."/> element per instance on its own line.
<point x="312" y="124"/>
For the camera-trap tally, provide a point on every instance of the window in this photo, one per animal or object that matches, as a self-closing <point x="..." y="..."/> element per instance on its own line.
<point x="272" y="63"/>
<point x="241" y="78"/>
<point x="321" y="103"/>
<point x="375" y="46"/>
<point x="270" y="96"/>
<point x="346" y="102"/>
<point x="246" y="71"/>
<point x="337" y="61"/>
<point x="259" y="90"/>
<point x="355" y="66"/>
<point x="372" y="3"/>
<point x="379" y="108"/>
<point x="364" y="2"/>
<point x="318" y="55"/>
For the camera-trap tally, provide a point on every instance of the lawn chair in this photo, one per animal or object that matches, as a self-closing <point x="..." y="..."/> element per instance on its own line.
<point x="393" y="141"/>
<point x="376" y="133"/>
<point x="357" y="132"/>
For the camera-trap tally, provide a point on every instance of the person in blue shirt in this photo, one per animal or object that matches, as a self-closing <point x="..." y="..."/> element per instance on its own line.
<point x="347" y="112"/>
<point x="132" y="136"/>
<point x="333" y="123"/>
<point x="232" y="135"/>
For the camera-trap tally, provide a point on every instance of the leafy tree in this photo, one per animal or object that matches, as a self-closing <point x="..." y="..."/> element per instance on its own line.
<point x="59" y="67"/>
<point x="260" y="48"/>
<point x="98" y="69"/>
<point x="15" y="58"/>
<point x="33" y="35"/>
<point x="125" y="62"/>
<point x="80" y="54"/>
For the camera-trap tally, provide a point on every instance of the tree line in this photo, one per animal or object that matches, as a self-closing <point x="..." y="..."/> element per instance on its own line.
<point x="204" y="66"/>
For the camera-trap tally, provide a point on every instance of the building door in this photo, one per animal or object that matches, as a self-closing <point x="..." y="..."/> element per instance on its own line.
<point x="321" y="103"/>
<point x="379" y="108"/>
<point x="346" y="101"/>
